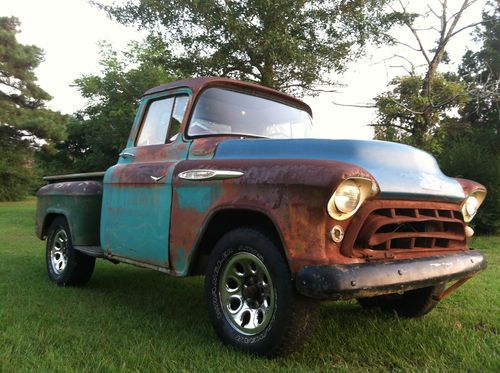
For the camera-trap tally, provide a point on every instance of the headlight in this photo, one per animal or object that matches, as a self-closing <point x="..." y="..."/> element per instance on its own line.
<point x="471" y="204"/>
<point x="347" y="197"/>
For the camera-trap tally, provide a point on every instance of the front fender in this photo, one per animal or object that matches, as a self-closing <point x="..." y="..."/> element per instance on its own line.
<point x="292" y="193"/>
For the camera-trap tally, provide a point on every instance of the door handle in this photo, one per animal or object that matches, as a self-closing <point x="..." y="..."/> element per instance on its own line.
<point x="157" y="179"/>
<point x="127" y="155"/>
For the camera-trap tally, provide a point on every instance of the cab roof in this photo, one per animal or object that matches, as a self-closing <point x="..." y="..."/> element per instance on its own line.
<point x="199" y="84"/>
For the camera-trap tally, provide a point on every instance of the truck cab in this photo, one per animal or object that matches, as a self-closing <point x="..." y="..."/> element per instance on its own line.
<point x="224" y="178"/>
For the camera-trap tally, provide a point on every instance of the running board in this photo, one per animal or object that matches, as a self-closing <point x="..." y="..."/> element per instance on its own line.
<point x="95" y="251"/>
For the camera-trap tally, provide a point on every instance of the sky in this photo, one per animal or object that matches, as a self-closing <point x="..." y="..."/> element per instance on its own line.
<point x="69" y="32"/>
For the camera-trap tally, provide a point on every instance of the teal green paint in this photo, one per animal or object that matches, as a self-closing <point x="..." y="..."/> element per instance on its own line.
<point x="135" y="221"/>
<point x="180" y="262"/>
<point x="199" y="196"/>
<point x="193" y="157"/>
<point x="81" y="211"/>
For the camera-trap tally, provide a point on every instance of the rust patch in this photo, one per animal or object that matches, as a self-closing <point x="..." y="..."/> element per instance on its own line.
<point x="395" y="229"/>
<point x="79" y="188"/>
<point x="161" y="152"/>
<point x="292" y="194"/>
<point x="205" y="147"/>
<point x="469" y="186"/>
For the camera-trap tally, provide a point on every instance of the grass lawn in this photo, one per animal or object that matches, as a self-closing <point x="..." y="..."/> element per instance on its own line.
<point x="140" y="320"/>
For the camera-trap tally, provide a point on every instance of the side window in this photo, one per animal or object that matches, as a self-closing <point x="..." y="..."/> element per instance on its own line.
<point x="177" y="116"/>
<point x="155" y="125"/>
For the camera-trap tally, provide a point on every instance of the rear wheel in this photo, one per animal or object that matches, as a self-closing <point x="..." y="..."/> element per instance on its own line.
<point x="412" y="303"/>
<point x="65" y="265"/>
<point x="251" y="297"/>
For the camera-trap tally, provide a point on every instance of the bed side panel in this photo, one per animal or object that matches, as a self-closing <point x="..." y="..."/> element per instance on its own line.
<point x="79" y="201"/>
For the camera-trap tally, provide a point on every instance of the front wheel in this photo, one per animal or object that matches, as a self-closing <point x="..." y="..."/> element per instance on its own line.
<point x="65" y="265"/>
<point x="252" y="301"/>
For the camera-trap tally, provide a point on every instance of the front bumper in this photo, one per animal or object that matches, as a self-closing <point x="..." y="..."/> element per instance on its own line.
<point x="377" y="278"/>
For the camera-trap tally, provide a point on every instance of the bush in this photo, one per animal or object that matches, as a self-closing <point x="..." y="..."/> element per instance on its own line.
<point x="477" y="158"/>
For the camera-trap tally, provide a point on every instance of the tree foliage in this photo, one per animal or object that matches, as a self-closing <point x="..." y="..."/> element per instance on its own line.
<point x="428" y="103"/>
<point x="473" y="150"/>
<point x="25" y="122"/>
<point x="402" y="114"/>
<point x="481" y="71"/>
<point x="290" y="45"/>
<point x="98" y="133"/>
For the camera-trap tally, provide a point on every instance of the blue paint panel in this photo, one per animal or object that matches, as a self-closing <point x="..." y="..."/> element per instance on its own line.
<point x="402" y="171"/>
<point x="135" y="218"/>
<point x="197" y="196"/>
<point x="141" y="231"/>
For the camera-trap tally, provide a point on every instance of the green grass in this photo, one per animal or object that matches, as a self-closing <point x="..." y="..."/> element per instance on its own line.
<point x="140" y="320"/>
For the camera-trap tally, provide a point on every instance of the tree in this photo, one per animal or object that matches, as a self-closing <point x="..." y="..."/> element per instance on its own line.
<point x="473" y="149"/>
<point x="403" y="112"/>
<point x="455" y="116"/>
<point x="414" y="117"/>
<point x="25" y="123"/>
<point x="98" y="133"/>
<point x="481" y="71"/>
<point x="284" y="44"/>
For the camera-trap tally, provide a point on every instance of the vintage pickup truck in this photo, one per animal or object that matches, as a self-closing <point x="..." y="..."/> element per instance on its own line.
<point x="222" y="178"/>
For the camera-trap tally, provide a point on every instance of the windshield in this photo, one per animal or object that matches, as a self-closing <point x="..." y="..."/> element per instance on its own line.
<point x="224" y="112"/>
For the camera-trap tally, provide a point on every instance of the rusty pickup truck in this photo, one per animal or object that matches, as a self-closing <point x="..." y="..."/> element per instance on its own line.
<point x="223" y="178"/>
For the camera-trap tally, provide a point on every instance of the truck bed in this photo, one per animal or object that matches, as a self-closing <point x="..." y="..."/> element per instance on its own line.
<point x="77" y="197"/>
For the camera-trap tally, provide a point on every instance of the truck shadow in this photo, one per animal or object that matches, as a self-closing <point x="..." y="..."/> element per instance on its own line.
<point x="161" y="302"/>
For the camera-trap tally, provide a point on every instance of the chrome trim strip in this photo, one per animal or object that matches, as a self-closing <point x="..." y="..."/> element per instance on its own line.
<point x="157" y="179"/>
<point x="126" y="155"/>
<point x="204" y="174"/>
<point x="88" y="175"/>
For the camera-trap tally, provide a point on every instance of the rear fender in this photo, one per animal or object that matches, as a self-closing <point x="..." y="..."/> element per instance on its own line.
<point x="79" y="202"/>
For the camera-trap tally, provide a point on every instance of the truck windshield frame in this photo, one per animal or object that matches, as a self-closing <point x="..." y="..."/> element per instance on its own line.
<point x="226" y="112"/>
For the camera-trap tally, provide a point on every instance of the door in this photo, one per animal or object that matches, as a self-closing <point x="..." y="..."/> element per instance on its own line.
<point x="137" y="195"/>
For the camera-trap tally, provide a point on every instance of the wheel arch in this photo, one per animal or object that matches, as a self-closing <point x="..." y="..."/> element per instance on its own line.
<point x="223" y="221"/>
<point x="49" y="219"/>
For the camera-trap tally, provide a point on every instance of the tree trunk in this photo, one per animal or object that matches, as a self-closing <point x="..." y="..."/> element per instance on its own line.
<point x="426" y="92"/>
<point x="267" y="75"/>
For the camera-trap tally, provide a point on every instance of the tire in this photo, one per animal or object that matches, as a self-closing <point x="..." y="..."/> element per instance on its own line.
<point x="413" y="303"/>
<point x="251" y="297"/>
<point x="65" y="265"/>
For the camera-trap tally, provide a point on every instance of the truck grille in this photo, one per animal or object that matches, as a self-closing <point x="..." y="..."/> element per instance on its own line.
<point x="397" y="227"/>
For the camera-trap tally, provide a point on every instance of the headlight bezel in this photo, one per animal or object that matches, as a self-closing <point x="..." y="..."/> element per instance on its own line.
<point x="479" y="195"/>
<point x="367" y="188"/>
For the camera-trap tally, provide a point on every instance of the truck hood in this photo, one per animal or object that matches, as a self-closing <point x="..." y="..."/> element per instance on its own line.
<point x="402" y="172"/>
